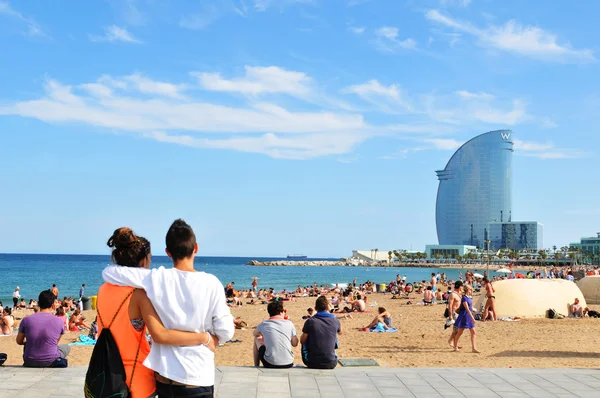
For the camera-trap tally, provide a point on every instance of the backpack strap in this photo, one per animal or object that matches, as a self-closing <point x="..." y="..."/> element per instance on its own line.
<point x="116" y="313"/>
<point x="136" y="358"/>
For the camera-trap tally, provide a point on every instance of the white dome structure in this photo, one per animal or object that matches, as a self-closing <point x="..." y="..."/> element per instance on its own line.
<point x="590" y="287"/>
<point x="531" y="298"/>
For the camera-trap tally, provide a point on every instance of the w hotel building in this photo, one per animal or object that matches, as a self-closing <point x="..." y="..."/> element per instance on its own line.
<point x="474" y="200"/>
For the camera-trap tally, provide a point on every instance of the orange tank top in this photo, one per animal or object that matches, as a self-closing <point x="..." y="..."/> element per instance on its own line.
<point x="129" y="340"/>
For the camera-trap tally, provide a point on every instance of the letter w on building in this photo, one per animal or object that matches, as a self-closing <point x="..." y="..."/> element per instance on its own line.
<point x="505" y="136"/>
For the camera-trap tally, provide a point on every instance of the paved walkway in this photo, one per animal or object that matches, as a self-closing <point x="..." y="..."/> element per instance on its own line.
<point x="342" y="382"/>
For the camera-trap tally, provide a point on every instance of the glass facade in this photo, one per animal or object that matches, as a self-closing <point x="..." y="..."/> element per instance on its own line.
<point x="516" y="235"/>
<point x="475" y="189"/>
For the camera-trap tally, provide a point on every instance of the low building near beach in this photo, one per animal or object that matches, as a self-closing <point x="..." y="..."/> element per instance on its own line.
<point x="532" y="298"/>
<point x="448" y="252"/>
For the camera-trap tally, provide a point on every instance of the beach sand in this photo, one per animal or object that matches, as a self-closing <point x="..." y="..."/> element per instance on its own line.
<point x="419" y="342"/>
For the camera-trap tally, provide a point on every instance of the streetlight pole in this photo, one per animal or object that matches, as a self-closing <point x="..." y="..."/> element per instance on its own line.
<point x="487" y="244"/>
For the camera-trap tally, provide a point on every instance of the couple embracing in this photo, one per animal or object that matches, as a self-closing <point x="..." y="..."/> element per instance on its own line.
<point x="185" y="312"/>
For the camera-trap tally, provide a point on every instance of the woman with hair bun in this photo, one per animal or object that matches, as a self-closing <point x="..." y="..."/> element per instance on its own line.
<point x="128" y="312"/>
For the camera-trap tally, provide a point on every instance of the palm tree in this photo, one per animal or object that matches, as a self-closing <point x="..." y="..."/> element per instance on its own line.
<point x="554" y="248"/>
<point x="390" y="256"/>
<point x="376" y="250"/>
<point x="556" y="257"/>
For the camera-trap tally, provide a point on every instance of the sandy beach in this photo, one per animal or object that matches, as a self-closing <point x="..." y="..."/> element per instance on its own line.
<point x="419" y="342"/>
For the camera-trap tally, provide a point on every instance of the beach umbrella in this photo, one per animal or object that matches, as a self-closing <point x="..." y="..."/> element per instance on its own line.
<point x="504" y="271"/>
<point x="478" y="275"/>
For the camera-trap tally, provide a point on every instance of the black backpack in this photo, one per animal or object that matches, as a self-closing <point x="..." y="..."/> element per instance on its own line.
<point x="105" y="376"/>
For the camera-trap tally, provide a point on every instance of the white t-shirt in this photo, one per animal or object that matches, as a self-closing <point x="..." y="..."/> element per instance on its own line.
<point x="16" y="294"/>
<point x="186" y="301"/>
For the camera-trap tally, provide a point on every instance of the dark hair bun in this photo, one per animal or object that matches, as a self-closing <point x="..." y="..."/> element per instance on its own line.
<point x="122" y="238"/>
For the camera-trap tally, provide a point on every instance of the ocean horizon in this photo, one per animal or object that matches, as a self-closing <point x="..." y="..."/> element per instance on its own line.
<point x="36" y="272"/>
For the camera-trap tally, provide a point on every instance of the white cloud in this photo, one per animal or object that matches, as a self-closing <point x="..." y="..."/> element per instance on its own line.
<point x="149" y="86"/>
<point x="209" y="14"/>
<point x="548" y="122"/>
<point x="114" y="33"/>
<point x="547" y="150"/>
<point x="33" y="28"/>
<point x="357" y="29"/>
<point x="387" y="40"/>
<point x="173" y="112"/>
<point x="445" y="144"/>
<point x="264" y="5"/>
<point x="470" y="95"/>
<point x="459" y="3"/>
<point x="531" y="146"/>
<point x="387" y="98"/>
<point x="241" y="9"/>
<point x="259" y="80"/>
<point x="529" y="41"/>
<point x="259" y="127"/>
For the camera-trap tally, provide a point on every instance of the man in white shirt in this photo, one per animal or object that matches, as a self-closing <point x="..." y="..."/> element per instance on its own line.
<point x="185" y="300"/>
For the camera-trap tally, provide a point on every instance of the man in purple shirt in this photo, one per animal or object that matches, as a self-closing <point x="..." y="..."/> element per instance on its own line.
<point x="40" y="334"/>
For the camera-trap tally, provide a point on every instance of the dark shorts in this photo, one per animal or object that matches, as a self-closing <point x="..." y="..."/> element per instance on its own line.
<point x="176" y="391"/>
<point x="266" y="364"/>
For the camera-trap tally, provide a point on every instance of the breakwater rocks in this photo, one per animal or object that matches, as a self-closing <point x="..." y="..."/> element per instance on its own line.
<point x="283" y="263"/>
<point x="339" y="263"/>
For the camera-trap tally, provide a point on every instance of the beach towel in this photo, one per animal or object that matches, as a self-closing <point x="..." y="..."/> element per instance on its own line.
<point x="380" y="328"/>
<point x="84" y="340"/>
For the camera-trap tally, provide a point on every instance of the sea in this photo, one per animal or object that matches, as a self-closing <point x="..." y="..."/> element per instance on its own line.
<point x="36" y="272"/>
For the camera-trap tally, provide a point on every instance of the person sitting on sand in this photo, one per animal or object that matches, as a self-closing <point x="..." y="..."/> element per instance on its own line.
<point x="77" y="321"/>
<point x="439" y="296"/>
<point x="60" y="314"/>
<point x="383" y="317"/>
<point x="22" y="304"/>
<point x="428" y="296"/>
<point x="275" y="338"/>
<point x="7" y="321"/>
<point x="310" y="312"/>
<point x="32" y="303"/>
<point x="42" y="332"/>
<point x="576" y="311"/>
<point x="319" y="339"/>
<point x="465" y="319"/>
<point x="356" y="306"/>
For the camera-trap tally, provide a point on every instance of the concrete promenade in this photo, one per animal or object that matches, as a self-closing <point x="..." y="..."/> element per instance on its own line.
<point x="342" y="382"/>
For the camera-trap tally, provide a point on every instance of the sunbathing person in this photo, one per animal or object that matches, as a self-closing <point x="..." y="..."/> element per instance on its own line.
<point x="428" y="296"/>
<point x="77" y="321"/>
<point x="356" y="306"/>
<point x="7" y="321"/>
<point x="576" y="310"/>
<point x="383" y="317"/>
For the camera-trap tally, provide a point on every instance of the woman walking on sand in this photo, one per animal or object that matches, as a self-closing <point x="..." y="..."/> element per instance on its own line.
<point x="465" y="319"/>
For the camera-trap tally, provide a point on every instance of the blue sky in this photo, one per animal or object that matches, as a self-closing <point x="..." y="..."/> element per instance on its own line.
<point x="286" y="126"/>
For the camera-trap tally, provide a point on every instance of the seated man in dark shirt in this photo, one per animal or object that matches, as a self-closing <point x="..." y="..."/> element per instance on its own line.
<point x="40" y="334"/>
<point x="319" y="337"/>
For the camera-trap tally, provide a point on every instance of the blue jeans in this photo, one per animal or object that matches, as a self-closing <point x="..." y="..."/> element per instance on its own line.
<point x="175" y="391"/>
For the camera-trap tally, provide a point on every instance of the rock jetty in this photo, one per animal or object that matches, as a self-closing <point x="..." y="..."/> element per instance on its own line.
<point x="344" y="262"/>
<point x="283" y="263"/>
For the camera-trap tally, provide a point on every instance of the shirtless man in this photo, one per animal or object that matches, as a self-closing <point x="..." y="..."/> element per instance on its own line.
<point x="428" y="296"/>
<point x="453" y="306"/>
<point x="356" y="306"/>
